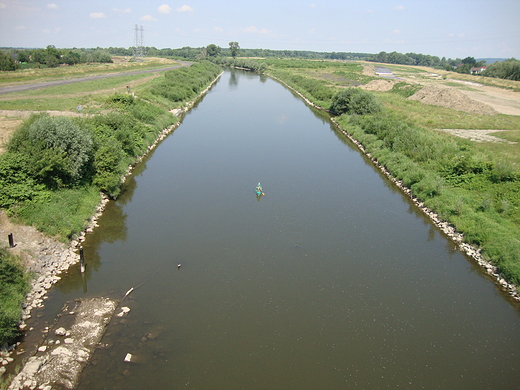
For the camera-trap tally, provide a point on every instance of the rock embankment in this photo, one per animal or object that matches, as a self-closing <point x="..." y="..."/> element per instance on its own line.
<point x="66" y="350"/>
<point x="448" y="229"/>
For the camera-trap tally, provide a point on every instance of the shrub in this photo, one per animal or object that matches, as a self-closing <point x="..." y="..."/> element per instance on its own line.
<point x="64" y="136"/>
<point x="107" y="164"/>
<point x="16" y="183"/>
<point x="56" y="150"/>
<point x="503" y="170"/>
<point x="428" y="186"/>
<point x="354" y="101"/>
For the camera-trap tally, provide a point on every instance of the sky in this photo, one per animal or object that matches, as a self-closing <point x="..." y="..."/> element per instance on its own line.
<point x="451" y="29"/>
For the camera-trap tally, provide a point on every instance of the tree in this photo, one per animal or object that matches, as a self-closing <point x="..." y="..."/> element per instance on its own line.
<point x="234" y="48"/>
<point x="23" y="56"/>
<point x="213" y="50"/>
<point x="7" y="62"/>
<point x="354" y="101"/>
<point x="470" y="61"/>
<point x="508" y="69"/>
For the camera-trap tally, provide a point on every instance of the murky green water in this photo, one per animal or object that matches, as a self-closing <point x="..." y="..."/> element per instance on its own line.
<point x="332" y="280"/>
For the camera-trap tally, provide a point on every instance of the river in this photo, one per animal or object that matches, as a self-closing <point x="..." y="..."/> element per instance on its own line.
<point x="331" y="280"/>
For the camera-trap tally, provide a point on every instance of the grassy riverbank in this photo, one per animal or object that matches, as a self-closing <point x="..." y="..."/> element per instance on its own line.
<point x="55" y="167"/>
<point x="474" y="186"/>
<point x="13" y="287"/>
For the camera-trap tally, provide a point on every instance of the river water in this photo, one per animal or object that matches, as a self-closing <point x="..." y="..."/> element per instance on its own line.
<point x="331" y="280"/>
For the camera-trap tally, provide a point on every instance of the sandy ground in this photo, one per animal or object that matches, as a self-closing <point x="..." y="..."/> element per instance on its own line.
<point x="472" y="97"/>
<point x="27" y="239"/>
<point x="478" y="135"/>
<point x="501" y="100"/>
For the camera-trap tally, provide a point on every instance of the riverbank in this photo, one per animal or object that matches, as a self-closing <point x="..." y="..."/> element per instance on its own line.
<point x="509" y="289"/>
<point x="48" y="259"/>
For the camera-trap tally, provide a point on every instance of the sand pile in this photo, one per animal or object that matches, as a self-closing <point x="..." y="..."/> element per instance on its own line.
<point x="451" y="98"/>
<point x="379" y="85"/>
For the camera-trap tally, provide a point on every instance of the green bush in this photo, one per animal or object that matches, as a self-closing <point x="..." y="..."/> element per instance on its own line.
<point x="63" y="135"/>
<point x="503" y="170"/>
<point x="108" y="167"/>
<point x="16" y="182"/>
<point x="56" y="150"/>
<point x="354" y="101"/>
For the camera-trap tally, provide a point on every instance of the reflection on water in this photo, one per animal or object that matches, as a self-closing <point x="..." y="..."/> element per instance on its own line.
<point x="331" y="280"/>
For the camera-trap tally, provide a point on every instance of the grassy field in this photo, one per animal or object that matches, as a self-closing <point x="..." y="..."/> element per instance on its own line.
<point x="120" y="64"/>
<point x="68" y="97"/>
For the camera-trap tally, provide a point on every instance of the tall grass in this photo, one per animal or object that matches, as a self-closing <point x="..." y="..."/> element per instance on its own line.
<point x="13" y="287"/>
<point x="63" y="214"/>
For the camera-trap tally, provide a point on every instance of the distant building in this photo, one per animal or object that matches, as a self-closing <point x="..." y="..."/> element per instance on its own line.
<point x="478" y="70"/>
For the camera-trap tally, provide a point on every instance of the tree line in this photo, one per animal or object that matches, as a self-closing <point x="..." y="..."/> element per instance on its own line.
<point x="50" y="57"/>
<point x="413" y="59"/>
<point x="509" y="69"/>
<point x="188" y="52"/>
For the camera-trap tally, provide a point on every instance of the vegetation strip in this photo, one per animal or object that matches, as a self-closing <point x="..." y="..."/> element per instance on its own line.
<point x="43" y="199"/>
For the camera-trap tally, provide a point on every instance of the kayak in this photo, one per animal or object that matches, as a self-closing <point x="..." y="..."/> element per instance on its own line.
<point x="259" y="190"/>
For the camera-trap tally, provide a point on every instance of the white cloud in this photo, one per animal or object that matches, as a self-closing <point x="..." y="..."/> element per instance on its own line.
<point x="52" y="6"/>
<point x="2" y="5"/>
<point x="396" y="31"/>
<point x="149" y="18"/>
<point x="164" y="9"/>
<point x="399" y="7"/>
<point x="55" y="31"/>
<point x="122" y="11"/>
<point x="255" y="30"/>
<point x="312" y="31"/>
<point x="459" y="35"/>
<point x="185" y="8"/>
<point x="97" y="15"/>
<point x="18" y="27"/>
<point x="218" y="29"/>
